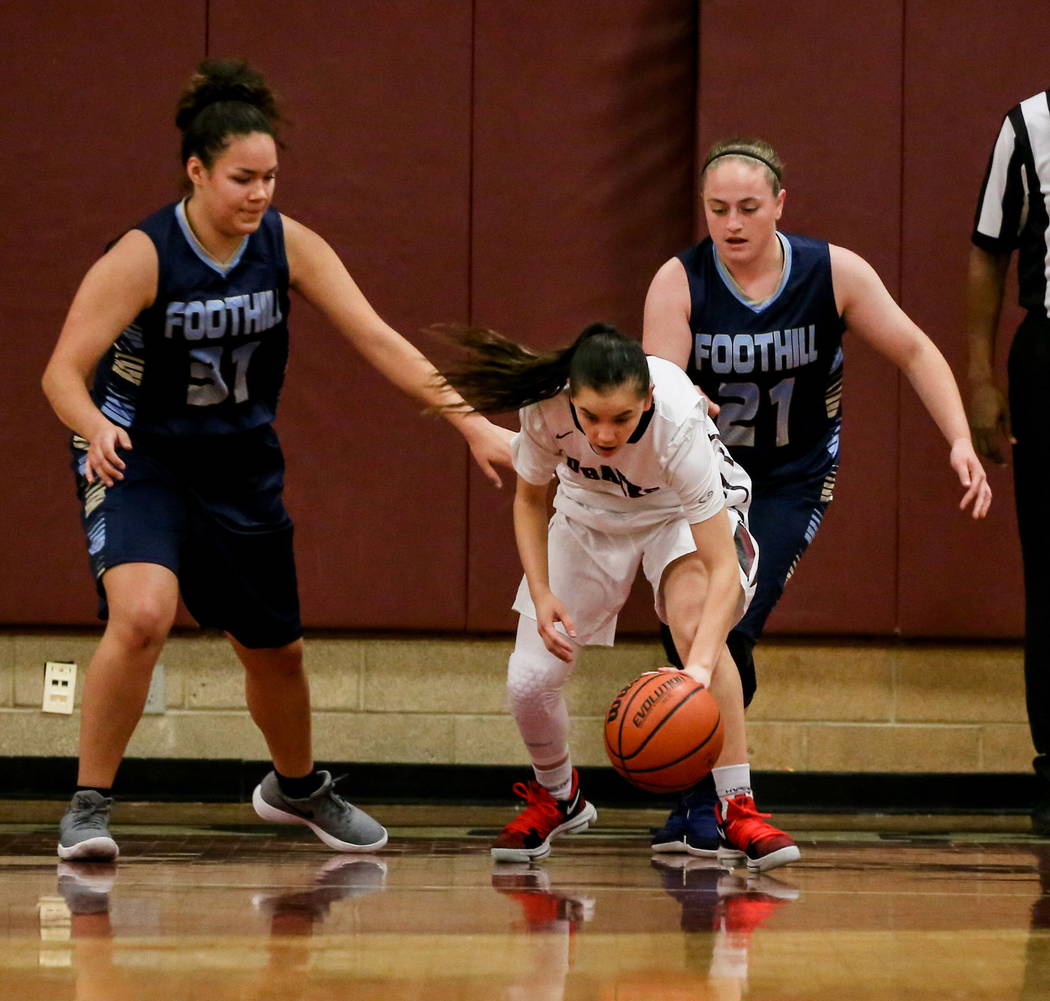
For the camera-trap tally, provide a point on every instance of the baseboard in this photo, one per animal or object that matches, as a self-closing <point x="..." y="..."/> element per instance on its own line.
<point x="231" y="781"/>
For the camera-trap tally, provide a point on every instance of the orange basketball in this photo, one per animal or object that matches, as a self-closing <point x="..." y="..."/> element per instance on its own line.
<point x="663" y="731"/>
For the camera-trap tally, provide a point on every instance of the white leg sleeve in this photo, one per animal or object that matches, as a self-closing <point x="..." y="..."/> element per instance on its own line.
<point x="534" y="695"/>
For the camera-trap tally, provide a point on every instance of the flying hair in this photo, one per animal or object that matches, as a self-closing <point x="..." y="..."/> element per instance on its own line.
<point x="497" y="374"/>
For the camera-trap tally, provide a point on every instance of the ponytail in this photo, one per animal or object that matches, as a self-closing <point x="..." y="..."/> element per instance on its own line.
<point x="500" y="375"/>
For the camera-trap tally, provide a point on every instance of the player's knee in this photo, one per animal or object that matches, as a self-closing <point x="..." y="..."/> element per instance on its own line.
<point x="535" y="682"/>
<point x="142" y="623"/>
<point x="283" y="661"/>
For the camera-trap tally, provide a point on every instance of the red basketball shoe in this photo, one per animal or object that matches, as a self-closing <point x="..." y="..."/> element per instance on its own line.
<point x="745" y="834"/>
<point x="528" y="836"/>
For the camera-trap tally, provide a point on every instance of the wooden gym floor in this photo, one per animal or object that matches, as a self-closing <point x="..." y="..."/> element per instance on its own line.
<point x="211" y="906"/>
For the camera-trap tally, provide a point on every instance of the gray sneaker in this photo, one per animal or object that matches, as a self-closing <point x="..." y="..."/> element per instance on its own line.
<point x="339" y="824"/>
<point x="84" y="832"/>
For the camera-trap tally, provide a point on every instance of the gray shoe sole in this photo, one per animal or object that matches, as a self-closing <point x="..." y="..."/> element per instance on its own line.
<point x="277" y="816"/>
<point x="99" y="849"/>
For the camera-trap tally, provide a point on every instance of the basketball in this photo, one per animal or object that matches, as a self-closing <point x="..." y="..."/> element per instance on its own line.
<point x="663" y="732"/>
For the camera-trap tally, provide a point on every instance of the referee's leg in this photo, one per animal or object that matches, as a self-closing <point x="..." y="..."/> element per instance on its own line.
<point x="1029" y="388"/>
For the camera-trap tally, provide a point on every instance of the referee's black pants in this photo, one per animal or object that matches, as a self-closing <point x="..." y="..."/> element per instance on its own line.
<point x="1029" y="389"/>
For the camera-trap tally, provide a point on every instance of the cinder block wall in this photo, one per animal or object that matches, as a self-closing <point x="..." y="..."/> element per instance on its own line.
<point x="821" y="707"/>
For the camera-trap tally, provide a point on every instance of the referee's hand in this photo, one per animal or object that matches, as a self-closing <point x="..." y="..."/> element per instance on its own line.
<point x="990" y="421"/>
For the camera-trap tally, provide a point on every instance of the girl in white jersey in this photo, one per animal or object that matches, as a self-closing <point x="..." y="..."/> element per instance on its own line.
<point x="642" y="479"/>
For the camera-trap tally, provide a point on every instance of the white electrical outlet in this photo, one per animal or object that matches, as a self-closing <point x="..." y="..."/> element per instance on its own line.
<point x="156" y="696"/>
<point x="60" y="685"/>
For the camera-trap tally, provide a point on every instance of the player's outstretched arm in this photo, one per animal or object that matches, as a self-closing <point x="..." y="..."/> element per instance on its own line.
<point x="319" y="276"/>
<point x="530" y="533"/>
<point x="115" y="290"/>
<point x="989" y="412"/>
<point x="871" y="313"/>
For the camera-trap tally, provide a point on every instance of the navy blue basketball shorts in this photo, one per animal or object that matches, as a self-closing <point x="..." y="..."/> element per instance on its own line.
<point x="210" y="509"/>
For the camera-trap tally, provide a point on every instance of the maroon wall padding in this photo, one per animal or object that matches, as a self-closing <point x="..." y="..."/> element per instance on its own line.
<point x="957" y="577"/>
<point x="87" y="147"/>
<point x="583" y="137"/>
<point x="525" y="166"/>
<point x="377" y="162"/>
<point x="827" y="95"/>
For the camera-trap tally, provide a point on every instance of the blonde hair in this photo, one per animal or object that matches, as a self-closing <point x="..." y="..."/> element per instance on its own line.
<point x="747" y="150"/>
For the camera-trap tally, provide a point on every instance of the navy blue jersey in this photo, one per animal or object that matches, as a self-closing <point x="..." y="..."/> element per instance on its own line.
<point x="774" y="368"/>
<point x="209" y="356"/>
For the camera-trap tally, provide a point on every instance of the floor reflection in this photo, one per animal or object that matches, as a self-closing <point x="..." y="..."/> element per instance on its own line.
<point x="230" y="914"/>
<point x="721" y="911"/>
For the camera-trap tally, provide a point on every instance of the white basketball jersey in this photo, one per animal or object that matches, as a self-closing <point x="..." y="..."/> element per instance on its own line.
<point x="673" y="466"/>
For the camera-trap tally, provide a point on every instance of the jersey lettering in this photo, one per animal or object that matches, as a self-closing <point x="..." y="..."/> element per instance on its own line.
<point x="610" y="475"/>
<point x="213" y="319"/>
<point x="773" y="351"/>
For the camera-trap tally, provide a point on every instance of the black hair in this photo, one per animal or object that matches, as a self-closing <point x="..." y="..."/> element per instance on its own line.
<point x="500" y="375"/>
<point x="224" y="98"/>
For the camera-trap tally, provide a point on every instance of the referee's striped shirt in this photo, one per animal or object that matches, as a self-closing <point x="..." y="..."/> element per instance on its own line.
<point x="1013" y="210"/>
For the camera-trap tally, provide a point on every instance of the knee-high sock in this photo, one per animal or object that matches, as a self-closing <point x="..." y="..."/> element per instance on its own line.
<point x="535" y="678"/>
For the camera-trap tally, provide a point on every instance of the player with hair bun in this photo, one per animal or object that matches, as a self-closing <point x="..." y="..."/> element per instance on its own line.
<point x="181" y="331"/>
<point x="642" y="480"/>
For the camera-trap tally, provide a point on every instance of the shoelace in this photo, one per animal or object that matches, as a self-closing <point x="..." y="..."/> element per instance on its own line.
<point x="331" y="790"/>
<point x="539" y="802"/>
<point x="747" y="823"/>
<point x="93" y="817"/>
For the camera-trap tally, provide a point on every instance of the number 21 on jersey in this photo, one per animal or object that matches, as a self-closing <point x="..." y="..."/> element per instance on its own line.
<point x="740" y="402"/>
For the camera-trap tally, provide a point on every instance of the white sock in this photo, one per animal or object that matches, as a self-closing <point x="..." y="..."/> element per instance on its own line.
<point x="730" y="781"/>
<point x="557" y="780"/>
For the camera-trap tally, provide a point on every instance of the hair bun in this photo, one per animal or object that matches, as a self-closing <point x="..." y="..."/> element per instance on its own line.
<point x="224" y="80"/>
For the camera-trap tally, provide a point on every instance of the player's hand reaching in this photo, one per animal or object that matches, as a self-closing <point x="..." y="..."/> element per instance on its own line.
<point x="103" y="460"/>
<point x="490" y="445"/>
<point x="549" y="611"/>
<point x="713" y="409"/>
<point x="973" y="477"/>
